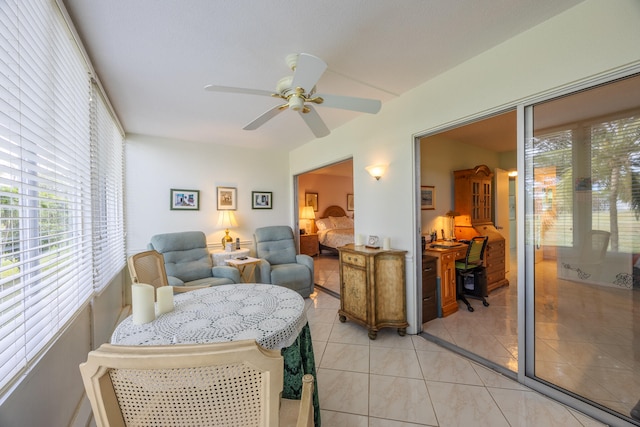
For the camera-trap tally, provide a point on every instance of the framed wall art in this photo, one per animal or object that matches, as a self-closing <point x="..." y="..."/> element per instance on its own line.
<point x="427" y="197"/>
<point x="311" y="199"/>
<point x="349" y="202"/>
<point x="184" y="200"/>
<point x="261" y="199"/>
<point x="227" y="198"/>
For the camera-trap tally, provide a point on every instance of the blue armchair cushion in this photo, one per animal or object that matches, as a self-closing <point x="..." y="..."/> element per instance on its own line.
<point x="188" y="261"/>
<point x="275" y="244"/>
<point x="280" y="265"/>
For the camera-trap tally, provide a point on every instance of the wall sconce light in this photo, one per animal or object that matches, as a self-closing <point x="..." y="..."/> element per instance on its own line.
<point x="376" y="171"/>
<point x="309" y="215"/>
<point x="226" y="220"/>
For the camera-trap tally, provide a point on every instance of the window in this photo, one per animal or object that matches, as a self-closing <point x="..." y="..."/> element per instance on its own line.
<point x="60" y="183"/>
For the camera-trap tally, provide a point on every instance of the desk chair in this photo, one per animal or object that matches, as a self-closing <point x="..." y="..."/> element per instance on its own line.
<point x="472" y="267"/>
<point x="235" y="384"/>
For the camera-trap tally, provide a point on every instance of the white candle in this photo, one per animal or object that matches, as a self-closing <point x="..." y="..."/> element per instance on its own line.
<point x="386" y="243"/>
<point x="359" y="239"/>
<point x="165" y="299"/>
<point x="142" y="296"/>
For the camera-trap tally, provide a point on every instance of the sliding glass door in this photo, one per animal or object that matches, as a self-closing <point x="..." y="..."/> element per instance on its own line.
<point x="582" y="190"/>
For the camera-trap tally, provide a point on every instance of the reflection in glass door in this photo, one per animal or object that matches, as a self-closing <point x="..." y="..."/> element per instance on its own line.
<point x="583" y="208"/>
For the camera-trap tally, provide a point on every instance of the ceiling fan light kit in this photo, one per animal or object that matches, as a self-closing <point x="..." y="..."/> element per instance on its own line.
<point x="307" y="70"/>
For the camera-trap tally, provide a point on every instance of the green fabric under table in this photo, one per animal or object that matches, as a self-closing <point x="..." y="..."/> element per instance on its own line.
<point x="298" y="361"/>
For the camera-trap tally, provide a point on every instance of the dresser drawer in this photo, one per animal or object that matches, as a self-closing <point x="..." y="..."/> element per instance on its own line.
<point x="494" y="263"/>
<point x="353" y="259"/>
<point x="495" y="276"/>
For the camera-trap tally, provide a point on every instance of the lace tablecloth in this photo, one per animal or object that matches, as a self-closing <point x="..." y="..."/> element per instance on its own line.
<point x="272" y="315"/>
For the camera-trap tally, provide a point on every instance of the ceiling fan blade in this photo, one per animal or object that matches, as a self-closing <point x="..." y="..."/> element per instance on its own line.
<point x="315" y="123"/>
<point x="308" y="71"/>
<point x="246" y="91"/>
<point x="265" y="117"/>
<point x="363" y="105"/>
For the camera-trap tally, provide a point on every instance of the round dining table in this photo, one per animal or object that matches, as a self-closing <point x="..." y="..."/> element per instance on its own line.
<point x="273" y="315"/>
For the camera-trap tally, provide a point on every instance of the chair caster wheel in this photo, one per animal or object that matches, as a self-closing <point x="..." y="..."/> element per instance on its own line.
<point x="486" y="304"/>
<point x="470" y="308"/>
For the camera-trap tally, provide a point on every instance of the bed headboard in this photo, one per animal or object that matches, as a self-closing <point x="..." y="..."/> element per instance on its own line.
<point x="333" y="210"/>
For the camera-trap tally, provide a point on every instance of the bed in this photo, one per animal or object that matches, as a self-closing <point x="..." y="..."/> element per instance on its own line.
<point x="334" y="229"/>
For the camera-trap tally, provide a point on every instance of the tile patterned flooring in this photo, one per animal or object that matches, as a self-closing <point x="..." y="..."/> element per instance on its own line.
<point x="408" y="381"/>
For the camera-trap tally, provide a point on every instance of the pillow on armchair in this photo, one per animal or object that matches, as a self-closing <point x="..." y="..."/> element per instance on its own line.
<point x="280" y="264"/>
<point x="188" y="262"/>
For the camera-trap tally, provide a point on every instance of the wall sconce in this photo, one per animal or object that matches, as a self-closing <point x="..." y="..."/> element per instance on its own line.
<point x="226" y="220"/>
<point x="376" y="171"/>
<point x="309" y="215"/>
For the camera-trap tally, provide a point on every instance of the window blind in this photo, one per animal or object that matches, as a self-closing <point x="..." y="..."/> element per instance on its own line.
<point x="107" y="167"/>
<point x="55" y="185"/>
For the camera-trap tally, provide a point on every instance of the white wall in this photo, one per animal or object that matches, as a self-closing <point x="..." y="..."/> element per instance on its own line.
<point x="439" y="157"/>
<point x="155" y="165"/>
<point x="591" y="39"/>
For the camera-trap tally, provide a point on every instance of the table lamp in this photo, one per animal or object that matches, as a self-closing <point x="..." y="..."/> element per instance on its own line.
<point x="452" y="224"/>
<point x="309" y="215"/>
<point x="226" y="219"/>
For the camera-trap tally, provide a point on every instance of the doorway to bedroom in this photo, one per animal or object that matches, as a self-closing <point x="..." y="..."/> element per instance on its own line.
<point x="326" y="214"/>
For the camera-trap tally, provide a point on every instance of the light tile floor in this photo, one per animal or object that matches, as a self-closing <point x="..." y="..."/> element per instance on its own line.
<point x="396" y="381"/>
<point x="408" y="381"/>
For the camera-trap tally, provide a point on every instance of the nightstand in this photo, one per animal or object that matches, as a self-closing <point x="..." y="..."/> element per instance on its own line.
<point x="309" y="244"/>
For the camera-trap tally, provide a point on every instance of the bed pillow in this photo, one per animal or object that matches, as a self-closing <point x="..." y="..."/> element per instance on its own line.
<point x="341" y="222"/>
<point x="323" y="224"/>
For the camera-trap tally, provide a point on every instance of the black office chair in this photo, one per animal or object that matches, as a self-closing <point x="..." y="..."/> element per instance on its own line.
<point x="472" y="271"/>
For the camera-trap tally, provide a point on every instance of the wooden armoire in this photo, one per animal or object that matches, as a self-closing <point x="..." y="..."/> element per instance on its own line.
<point x="473" y="200"/>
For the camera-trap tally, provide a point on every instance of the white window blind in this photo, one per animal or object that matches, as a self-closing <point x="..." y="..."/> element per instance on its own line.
<point x="48" y="185"/>
<point x="107" y="189"/>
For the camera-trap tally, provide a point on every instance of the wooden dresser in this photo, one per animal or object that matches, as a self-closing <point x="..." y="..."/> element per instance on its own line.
<point x="474" y="202"/>
<point x="372" y="288"/>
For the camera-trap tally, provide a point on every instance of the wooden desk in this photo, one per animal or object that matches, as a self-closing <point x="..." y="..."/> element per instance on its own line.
<point x="446" y="267"/>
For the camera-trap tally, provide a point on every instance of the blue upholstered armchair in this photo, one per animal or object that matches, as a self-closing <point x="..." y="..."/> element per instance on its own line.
<point x="188" y="261"/>
<point x="280" y="264"/>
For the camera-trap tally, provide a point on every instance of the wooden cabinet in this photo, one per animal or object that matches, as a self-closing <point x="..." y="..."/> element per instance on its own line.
<point x="309" y="244"/>
<point x="474" y="202"/>
<point x="473" y="196"/>
<point x="372" y="288"/>
<point x="446" y="270"/>
<point x="429" y="282"/>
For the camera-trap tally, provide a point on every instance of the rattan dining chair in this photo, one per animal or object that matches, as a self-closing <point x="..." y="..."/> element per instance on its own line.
<point x="235" y="384"/>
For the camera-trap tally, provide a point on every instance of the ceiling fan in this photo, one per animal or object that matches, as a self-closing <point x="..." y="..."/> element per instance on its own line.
<point x="299" y="92"/>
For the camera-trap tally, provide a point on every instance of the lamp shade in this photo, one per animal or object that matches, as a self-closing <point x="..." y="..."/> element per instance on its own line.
<point x="307" y="213"/>
<point x="376" y="171"/>
<point x="226" y="219"/>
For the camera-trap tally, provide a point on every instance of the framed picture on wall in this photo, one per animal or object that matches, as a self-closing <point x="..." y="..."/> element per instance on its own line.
<point x="184" y="200"/>
<point x="227" y="199"/>
<point x="427" y="197"/>
<point x="311" y="199"/>
<point x="261" y="199"/>
<point x="349" y="202"/>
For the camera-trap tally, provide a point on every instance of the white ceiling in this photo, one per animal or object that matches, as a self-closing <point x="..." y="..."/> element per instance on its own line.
<point x="154" y="57"/>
